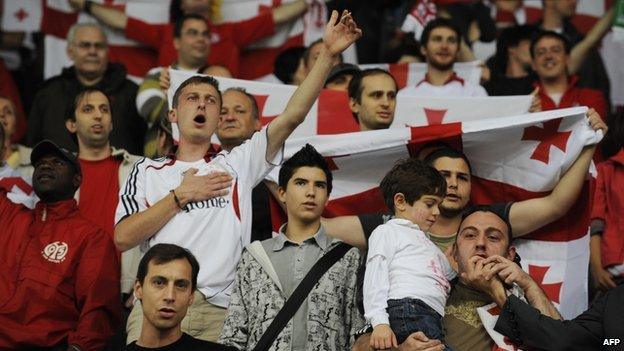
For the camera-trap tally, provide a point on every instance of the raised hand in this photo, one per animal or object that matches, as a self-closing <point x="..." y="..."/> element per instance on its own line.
<point x="340" y="33"/>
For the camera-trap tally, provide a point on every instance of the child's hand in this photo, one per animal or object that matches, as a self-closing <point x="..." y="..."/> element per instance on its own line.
<point x="383" y="338"/>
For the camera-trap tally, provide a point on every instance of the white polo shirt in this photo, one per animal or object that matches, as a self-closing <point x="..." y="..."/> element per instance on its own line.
<point x="214" y="230"/>
<point x="453" y="87"/>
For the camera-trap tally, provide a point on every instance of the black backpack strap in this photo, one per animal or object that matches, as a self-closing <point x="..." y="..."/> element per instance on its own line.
<point x="300" y="294"/>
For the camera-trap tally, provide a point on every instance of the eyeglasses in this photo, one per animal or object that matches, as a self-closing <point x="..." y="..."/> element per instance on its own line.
<point x="86" y="45"/>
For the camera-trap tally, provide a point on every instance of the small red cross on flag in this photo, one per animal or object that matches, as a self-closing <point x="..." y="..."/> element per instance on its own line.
<point x="21" y="14"/>
<point x="547" y="137"/>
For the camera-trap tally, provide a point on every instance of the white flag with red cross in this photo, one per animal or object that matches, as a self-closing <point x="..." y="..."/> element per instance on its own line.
<point x="513" y="159"/>
<point x="21" y="16"/>
<point x="331" y="114"/>
<point x="257" y="60"/>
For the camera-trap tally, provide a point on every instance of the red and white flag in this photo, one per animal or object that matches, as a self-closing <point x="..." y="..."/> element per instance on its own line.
<point x="331" y="114"/>
<point x="415" y="21"/>
<point x="58" y="17"/>
<point x="513" y="158"/>
<point x="21" y="16"/>
<point x="257" y="60"/>
<point x="410" y="74"/>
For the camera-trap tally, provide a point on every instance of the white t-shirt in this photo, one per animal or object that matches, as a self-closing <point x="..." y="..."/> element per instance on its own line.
<point x="214" y="230"/>
<point x="453" y="87"/>
<point x="403" y="263"/>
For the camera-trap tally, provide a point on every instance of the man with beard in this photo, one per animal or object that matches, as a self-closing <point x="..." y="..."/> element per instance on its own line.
<point x="486" y="269"/>
<point x="440" y="44"/>
<point x="59" y="274"/>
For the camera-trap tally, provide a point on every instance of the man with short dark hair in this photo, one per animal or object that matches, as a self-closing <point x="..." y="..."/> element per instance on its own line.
<point x="166" y="284"/>
<point x="510" y="67"/>
<point x="439" y="44"/>
<point x="340" y="76"/>
<point x="59" y="274"/>
<point x="372" y="98"/>
<point x="485" y="257"/>
<point x="550" y="53"/>
<point x="270" y="271"/>
<point x="175" y="199"/>
<point x="227" y="38"/>
<point x="191" y="40"/>
<point x="104" y="169"/>
<point x="87" y="47"/>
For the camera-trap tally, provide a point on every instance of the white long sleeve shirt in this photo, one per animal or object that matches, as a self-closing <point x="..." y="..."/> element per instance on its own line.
<point x="403" y="263"/>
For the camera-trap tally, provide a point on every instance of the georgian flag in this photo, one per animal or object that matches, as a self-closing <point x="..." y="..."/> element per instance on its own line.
<point x="513" y="158"/>
<point x="58" y="17"/>
<point x="331" y="114"/>
<point x="21" y="16"/>
<point x="257" y="61"/>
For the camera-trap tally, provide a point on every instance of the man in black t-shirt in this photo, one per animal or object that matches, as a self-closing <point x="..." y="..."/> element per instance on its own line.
<point x="166" y="283"/>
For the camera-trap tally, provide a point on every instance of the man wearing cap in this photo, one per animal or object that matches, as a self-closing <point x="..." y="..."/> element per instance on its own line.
<point x="59" y="273"/>
<point x="487" y="268"/>
<point x="340" y="76"/>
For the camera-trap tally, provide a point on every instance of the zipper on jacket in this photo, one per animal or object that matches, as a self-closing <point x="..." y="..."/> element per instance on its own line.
<point x="44" y="213"/>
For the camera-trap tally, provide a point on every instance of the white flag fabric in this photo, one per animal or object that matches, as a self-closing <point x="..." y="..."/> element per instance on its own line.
<point x="21" y="16"/>
<point x="507" y="166"/>
<point x="331" y="113"/>
<point x="410" y="74"/>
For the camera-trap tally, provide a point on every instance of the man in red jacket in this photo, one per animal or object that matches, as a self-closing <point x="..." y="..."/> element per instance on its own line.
<point x="59" y="273"/>
<point x="550" y="53"/>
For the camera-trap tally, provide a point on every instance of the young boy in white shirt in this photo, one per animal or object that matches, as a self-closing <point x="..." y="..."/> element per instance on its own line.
<point x="407" y="277"/>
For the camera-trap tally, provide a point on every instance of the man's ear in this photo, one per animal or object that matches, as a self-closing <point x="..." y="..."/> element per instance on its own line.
<point x="70" y="125"/>
<point x="511" y="253"/>
<point x="70" y="52"/>
<point x="257" y="125"/>
<point x="176" y="44"/>
<point x="173" y="118"/>
<point x="138" y="290"/>
<point x="281" y="193"/>
<point x="423" y="51"/>
<point x="191" y="299"/>
<point x="354" y="106"/>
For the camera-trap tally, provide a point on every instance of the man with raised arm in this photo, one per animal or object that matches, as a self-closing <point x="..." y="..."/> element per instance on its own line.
<point x="175" y="199"/>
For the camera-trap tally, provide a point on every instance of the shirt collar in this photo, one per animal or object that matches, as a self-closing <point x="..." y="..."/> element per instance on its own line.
<point x="320" y="238"/>
<point x="405" y="223"/>
<point x="212" y="151"/>
<point x="453" y="78"/>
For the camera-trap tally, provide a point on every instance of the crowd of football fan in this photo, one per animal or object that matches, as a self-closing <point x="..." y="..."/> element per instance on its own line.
<point x="116" y="234"/>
